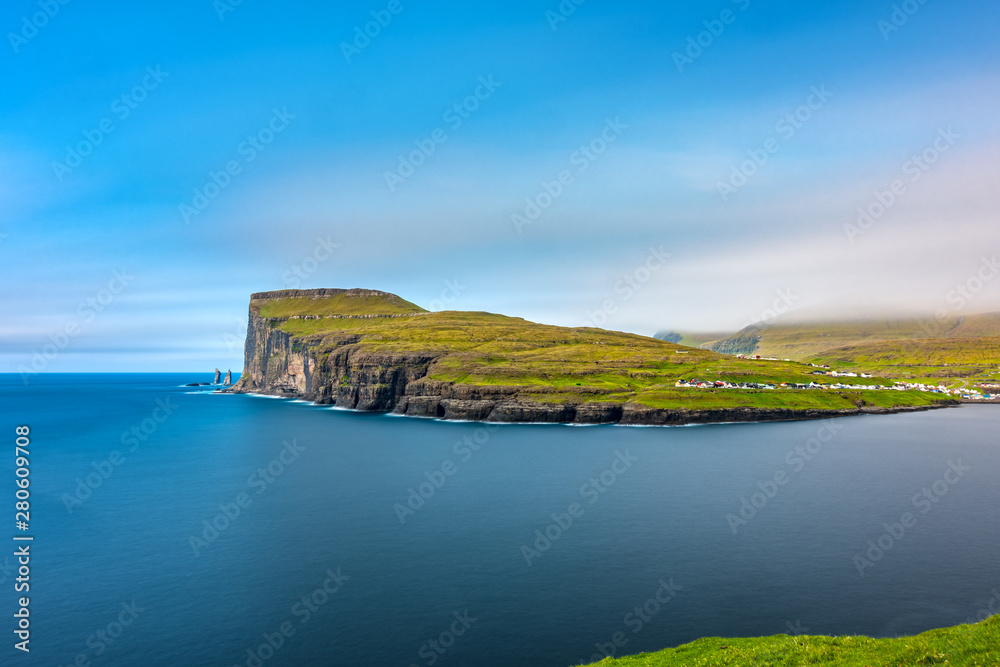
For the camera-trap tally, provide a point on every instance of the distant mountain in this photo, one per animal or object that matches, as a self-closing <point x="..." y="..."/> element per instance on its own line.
<point x="689" y="339"/>
<point x="669" y="336"/>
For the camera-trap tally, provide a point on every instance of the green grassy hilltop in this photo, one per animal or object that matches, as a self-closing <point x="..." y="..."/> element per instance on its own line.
<point x="342" y="303"/>
<point x="960" y="646"/>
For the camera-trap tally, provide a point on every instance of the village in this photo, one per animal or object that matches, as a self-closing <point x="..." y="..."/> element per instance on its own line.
<point x="965" y="393"/>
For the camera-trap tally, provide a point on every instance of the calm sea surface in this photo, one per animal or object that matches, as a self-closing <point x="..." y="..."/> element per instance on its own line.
<point x="178" y="527"/>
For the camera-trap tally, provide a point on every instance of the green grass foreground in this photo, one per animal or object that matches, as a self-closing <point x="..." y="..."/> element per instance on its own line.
<point x="973" y="645"/>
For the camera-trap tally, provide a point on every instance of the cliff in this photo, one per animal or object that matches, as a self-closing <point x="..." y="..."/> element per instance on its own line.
<point x="373" y="351"/>
<point x="325" y="369"/>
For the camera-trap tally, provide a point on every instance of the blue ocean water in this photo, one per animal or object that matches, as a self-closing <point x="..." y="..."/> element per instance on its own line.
<point x="178" y="527"/>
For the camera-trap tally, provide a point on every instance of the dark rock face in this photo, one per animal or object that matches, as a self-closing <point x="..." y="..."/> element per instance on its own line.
<point x="669" y="336"/>
<point x="599" y="413"/>
<point x="640" y="414"/>
<point x="365" y="381"/>
<point x="332" y="370"/>
<point x="335" y="369"/>
<point x="217" y="376"/>
<point x="746" y="341"/>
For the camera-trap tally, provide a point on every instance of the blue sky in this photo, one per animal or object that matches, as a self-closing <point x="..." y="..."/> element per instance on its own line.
<point x="670" y="127"/>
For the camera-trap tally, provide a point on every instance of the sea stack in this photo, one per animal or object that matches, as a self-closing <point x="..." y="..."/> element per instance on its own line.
<point x="217" y="376"/>
<point x="229" y="378"/>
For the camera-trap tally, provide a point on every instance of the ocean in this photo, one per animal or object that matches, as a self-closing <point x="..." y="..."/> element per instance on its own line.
<point x="174" y="526"/>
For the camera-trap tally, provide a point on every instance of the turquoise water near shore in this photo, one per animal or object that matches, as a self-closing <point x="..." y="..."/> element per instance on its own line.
<point x="174" y="526"/>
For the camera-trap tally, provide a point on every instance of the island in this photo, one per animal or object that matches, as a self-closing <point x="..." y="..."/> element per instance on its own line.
<point x="370" y="350"/>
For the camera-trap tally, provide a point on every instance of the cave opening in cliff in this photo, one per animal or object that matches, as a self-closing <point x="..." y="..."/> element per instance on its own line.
<point x="440" y="411"/>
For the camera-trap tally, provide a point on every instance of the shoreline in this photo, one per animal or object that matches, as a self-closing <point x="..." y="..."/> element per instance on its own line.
<point x="631" y="414"/>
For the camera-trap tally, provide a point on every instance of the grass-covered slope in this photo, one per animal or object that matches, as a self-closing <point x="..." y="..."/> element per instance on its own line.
<point x="804" y="340"/>
<point x="931" y="359"/>
<point x="931" y="349"/>
<point x="961" y="646"/>
<point x="975" y="326"/>
<point x="558" y="364"/>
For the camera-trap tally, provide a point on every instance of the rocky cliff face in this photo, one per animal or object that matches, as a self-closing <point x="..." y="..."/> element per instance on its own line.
<point x="338" y="369"/>
<point x="746" y="341"/>
<point x="330" y="369"/>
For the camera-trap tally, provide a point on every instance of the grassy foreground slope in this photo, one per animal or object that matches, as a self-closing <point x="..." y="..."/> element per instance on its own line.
<point x="564" y="365"/>
<point x="963" y="645"/>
